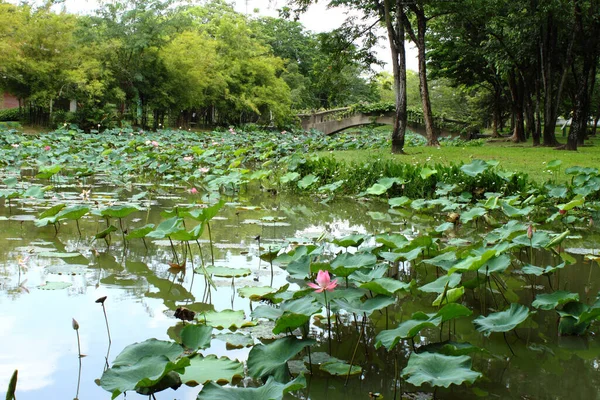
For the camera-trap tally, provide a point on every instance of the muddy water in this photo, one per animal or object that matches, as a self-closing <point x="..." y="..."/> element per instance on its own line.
<point x="37" y="338"/>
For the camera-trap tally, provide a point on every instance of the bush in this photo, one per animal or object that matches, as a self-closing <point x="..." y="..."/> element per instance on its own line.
<point x="10" y="114"/>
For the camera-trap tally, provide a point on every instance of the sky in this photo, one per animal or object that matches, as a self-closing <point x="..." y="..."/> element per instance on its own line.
<point x="317" y="19"/>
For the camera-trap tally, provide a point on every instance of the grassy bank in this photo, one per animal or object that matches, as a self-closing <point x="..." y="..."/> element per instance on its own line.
<point x="521" y="157"/>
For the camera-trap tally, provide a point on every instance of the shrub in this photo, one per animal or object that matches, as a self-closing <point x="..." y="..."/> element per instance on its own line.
<point x="10" y="114"/>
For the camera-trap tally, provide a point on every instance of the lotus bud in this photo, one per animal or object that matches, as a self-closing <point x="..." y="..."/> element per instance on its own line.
<point x="562" y="212"/>
<point x="530" y="232"/>
<point x="101" y="300"/>
<point x="75" y="324"/>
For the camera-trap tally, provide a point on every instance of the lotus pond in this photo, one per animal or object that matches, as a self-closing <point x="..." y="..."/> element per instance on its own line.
<point x="170" y="260"/>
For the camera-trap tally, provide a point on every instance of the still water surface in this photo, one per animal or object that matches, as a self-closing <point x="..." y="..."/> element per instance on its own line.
<point x="36" y="336"/>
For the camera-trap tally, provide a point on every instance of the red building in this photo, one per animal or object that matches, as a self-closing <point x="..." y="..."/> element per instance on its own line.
<point x="8" y="101"/>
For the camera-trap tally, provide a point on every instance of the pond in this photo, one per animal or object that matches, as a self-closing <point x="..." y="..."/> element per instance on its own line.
<point x="49" y="278"/>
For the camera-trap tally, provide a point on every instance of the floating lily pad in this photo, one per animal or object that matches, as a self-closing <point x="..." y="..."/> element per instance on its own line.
<point x="439" y="370"/>
<point x="211" y="369"/>
<point x="271" y="390"/>
<point x="58" y="255"/>
<point x="226" y="319"/>
<point x="340" y="368"/>
<point x="236" y="340"/>
<point x="225" y="272"/>
<point x="66" y="269"/>
<point x="503" y="321"/>
<point x="407" y="329"/>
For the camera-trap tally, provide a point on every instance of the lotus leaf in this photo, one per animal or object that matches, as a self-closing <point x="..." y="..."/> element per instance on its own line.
<point x="271" y="390"/>
<point x="236" y="340"/>
<point x="475" y="168"/>
<point x="399" y="201"/>
<point x="502" y="321"/>
<point x="307" y="181"/>
<point x="450" y="348"/>
<point x="72" y="212"/>
<point x="225" y="272"/>
<point x="351" y="240"/>
<point x="439" y="370"/>
<point x="203" y="369"/>
<point x="52" y="211"/>
<point x="151" y="347"/>
<point x="55" y="285"/>
<point x="196" y="337"/>
<point x="453" y="310"/>
<point x="439" y="285"/>
<point x="140" y="232"/>
<point x="386" y="286"/>
<point x="407" y="329"/>
<point x="450" y="296"/>
<point x="368" y="307"/>
<point x="472" y="214"/>
<point x="226" y="319"/>
<point x="166" y="228"/>
<point x="552" y="300"/>
<point x="340" y="368"/>
<point x="271" y="359"/>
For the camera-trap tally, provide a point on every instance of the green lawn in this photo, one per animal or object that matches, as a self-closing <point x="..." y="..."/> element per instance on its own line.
<point x="512" y="157"/>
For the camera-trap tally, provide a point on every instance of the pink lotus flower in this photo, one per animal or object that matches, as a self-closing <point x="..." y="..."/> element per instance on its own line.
<point x="15" y="145"/>
<point x="203" y="170"/>
<point x="193" y="190"/>
<point x="154" y="143"/>
<point x="530" y="232"/>
<point x="188" y="159"/>
<point x="47" y="148"/>
<point x="324" y="282"/>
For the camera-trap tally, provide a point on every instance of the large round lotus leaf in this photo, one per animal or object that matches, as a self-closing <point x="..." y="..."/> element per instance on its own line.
<point x="439" y="370"/>
<point x="439" y="285"/>
<point x="472" y="214"/>
<point x="151" y="347"/>
<point x="210" y="368"/>
<point x="140" y="232"/>
<point x="503" y="321"/>
<point x="146" y="372"/>
<point x="369" y="306"/>
<point x="236" y="340"/>
<point x="226" y="272"/>
<point x="120" y="211"/>
<point x="166" y="228"/>
<point x="407" y="329"/>
<point x="55" y="285"/>
<point x="472" y="263"/>
<point x="73" y="212"/>
<point x="450" y="296"/>
<point x="272" y="390"/>
<point x="226" y="319"/>
<point x="351" y="240"/>
<point x="386" y="286"/>
<point x="453" y="310"/>
<point x="255" y="293"/>
<point x="550" y="301"/>
<point x="394" y="241"/>
<point x="296" y="313"/>
<point x="340" y="368"/>
<point x="359" y="260"/>
<point x="271" y="359"/>
<point x="196" y="337"/>
<point x="475" y="168"/>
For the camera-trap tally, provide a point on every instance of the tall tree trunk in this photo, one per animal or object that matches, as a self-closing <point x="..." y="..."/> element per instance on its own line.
<point x="419" y="39"/>
<point x="396" y="32"/>
<point x="515" y="84"/>
<point x="497" y="118"/>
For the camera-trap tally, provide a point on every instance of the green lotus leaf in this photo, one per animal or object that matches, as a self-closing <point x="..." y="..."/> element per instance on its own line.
<point x="350" y="240"/>
<point x="399" y="201"/>
<point x="367" y="275"/>
<point x="55" y="285"/>
<point x="255" y="293"/>
<point x="451" y="296"/>
<point x="444" y="260"/>
<point x="196" y="337"/>
<point x="475" y="168"/>
<point x="120" y="211"/>
<point x="496" y="264"/>
<point x="203" y="369"/>
<point x="271" y="359"/>
<point x="513" y="212"/>
<point x="340" y="368"/>
<point x="140" y="232"/>
<point x="452" y="311"/>
<point x="48" y="172"/>
<point x="450" y="348"/>
<point x="472" y="263"/>
<point x="67" y="269"/>
<point x="550" y="301"/>
<point x="289" y="177"/>
<point x="439" y="285"/>
<point x="225" y="272"/>
<point x="426" y="172"/>
<point x="307" y="181"/>
<point x="394" y="241"/>
<point x="271" y="390"/>
<point x="148" y="371"/>
<point x="407" y="329"/>
<point x="52" y="211"/>
<point x="558" y="239"/>
<point x="439" y="370"/>
<point x="166" y="228"/>
<point x="236" y="340"/>
<point x="357" y="260"/>
<point x="472" y="214"/>
<point x="295" y="314"/>
<point x="58" y="255"/>
<point x="151" y="347"/>
<point x="103" y="234"/>
<point x="72" y="212"/>
<point x="537" y="241"/>
<point x="387" y="286"/>
<point x="226" y="319"/>
<point x="368" y="306"/>
<point x="502" y="321"/>
<point x="377" y="189"/>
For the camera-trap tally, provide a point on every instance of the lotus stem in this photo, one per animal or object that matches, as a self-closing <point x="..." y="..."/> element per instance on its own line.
<point x="174" y="251"/>
<point x="328" y="320"/>
<point x="353" y="356"/>
<point x="101" y="300"/>
<point x="212" y="253"/>
<point x="78" y="230"/>
<point x="508" y="344"/>
<point x="75" y="325"/>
